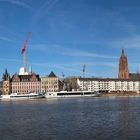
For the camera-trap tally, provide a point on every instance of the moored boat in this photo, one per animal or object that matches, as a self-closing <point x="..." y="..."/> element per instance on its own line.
<point x="16" y="96"/>
<point x="63" y="94"/>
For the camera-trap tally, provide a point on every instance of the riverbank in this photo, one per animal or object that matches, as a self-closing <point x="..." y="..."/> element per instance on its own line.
<point x="120" y="94"/>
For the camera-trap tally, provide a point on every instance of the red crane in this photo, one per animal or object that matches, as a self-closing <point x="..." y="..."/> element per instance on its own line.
<point x="24" y="50"/>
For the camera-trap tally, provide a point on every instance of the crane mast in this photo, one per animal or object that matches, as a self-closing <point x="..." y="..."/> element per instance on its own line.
<point x="84" y="70"/>
<point x="63" y="75"/>
<point x="24" y="51"/>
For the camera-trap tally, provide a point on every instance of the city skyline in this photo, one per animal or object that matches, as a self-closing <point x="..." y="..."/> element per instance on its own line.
<point x="65" y="35"/>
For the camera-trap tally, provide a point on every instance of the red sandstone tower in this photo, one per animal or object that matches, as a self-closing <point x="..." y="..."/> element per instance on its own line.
<point x="123" y="67"/>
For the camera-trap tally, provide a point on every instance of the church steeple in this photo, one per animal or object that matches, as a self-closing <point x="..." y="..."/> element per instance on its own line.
<point x="123" y="67"/>
<point x="123" y="52"/>
<point x="6" y="76"/>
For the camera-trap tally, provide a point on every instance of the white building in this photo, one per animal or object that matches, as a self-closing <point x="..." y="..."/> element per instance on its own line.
<point x="22" y="71"/>
<point x="108" y="85"/>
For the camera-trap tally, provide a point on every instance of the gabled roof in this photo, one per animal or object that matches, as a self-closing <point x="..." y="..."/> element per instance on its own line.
<point x="26" y="78"/>
<point x="52" y="74"/>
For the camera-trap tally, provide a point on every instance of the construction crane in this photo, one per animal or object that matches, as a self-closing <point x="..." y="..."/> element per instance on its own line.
<point x="84" y="70"/>
<point x="63" y="75"/>
<point x="24" y="50"/>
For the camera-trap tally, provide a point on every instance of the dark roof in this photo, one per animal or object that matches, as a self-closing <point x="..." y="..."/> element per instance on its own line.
<point x="52" y="74"/>
<point x="26" y="77"/>
<point x="134" y="76"/>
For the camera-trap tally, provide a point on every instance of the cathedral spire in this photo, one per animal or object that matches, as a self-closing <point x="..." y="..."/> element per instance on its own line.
<point x="123" y="52"/>
<point x="123" y="67"/>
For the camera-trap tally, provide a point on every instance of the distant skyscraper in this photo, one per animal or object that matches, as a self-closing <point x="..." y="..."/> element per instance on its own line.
<point x="123" y="67"/>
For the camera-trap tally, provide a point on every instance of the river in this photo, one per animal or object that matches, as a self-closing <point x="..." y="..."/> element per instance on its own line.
<point x="101" y="118"/>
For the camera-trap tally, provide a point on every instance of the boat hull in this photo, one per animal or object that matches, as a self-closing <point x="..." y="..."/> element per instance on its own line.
<point x="71" y="94"/>
<point x="21" y="96"/>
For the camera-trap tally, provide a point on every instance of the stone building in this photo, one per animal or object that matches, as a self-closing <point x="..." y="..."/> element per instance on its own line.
<point x="134" y="76"/>
<point x="123" y="67"/>
<point x="25" y="83"/>
<point x="71" y="83"/>
<point x="50" y="83"/>
<point x="6" y="87"/>
<point x="0" y="87"/>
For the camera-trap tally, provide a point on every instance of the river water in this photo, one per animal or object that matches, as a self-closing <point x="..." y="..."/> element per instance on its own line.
<point x="71" y="119"/>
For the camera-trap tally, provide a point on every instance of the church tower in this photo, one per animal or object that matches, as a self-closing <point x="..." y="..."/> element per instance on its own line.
<point x="6" y="88"/>
<point x="123" y="67"/>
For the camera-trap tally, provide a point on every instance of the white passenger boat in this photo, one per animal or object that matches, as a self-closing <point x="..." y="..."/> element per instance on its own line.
<point x="16" y="96"/>
<point x="63" y="94"/>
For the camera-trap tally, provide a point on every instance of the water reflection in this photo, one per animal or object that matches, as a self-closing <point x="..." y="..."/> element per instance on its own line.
<point x="90" y="118"/>
<point x="125" y="118"/>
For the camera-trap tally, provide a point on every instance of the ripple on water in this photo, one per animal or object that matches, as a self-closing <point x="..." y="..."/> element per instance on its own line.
<point x="80" y="118"/>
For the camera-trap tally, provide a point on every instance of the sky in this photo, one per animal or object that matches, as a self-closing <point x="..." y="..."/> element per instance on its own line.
<point x="66" y="34"/>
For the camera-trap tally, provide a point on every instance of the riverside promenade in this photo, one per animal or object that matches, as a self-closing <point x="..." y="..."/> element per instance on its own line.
<point x="120" y="94"/>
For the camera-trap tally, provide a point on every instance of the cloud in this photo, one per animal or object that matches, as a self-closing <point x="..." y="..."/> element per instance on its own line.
<point x="43" y="10"/>
<point x="79" y="53"/>
<point x="5" y="39"/>
<point x="67" y="51"/>
<point x="107" y="64"/>
<point x="76" y="68"/>
<point x="69" y="69"/>
<point x="18" y="3"/>
<point x="128" y="42"/>
<point x="10" y="60"/>
<point x="60" y="67"/>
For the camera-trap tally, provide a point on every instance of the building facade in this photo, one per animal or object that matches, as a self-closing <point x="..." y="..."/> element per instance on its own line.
<point x="123" y="67"/>
<point x="108" y="85"/>
<point x="6" y="86"/>
<point x="50" y="83"/>
<point x="0" y="87"/>
<point x="134" y="76"/>
<point x="25" y="83"/>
